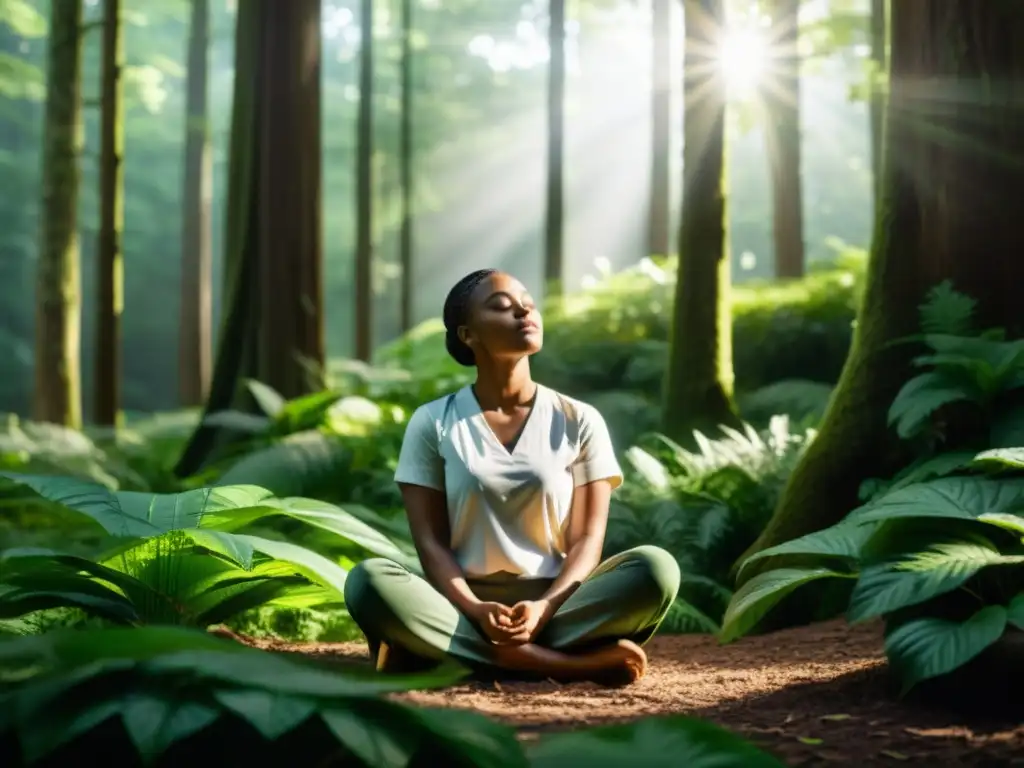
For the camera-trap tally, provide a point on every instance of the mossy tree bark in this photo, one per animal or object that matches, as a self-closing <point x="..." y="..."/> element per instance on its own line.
<point x="109" y="258"/>
<point x="950" y="209"/>
<point x="699" y="378"/>
<point x="364" y="190"/>
<point x="273" y="330"/>
<point x="554" y="221"/>
<point x="782" y="95"/>
<point x="659" y="215"/>
<point x="57" y="396"/>
<point x="880" y="62"/>
<point x="195" y="335"/>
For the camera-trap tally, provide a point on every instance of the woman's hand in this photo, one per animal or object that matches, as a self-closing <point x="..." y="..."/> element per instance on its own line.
<point x="496" y="621"/>
<point x="529" y="618"/>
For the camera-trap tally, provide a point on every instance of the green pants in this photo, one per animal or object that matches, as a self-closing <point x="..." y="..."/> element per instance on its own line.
<point x="625" y="597"/>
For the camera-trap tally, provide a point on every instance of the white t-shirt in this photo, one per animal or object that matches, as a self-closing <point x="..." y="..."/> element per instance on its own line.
<point x="508" y="510"/>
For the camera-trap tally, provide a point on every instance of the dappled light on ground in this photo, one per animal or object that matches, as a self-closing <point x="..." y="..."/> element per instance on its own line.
<point x="815" y="696"/>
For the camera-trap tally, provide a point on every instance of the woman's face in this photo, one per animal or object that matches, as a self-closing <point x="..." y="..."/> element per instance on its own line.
<point x="503" y="320"/>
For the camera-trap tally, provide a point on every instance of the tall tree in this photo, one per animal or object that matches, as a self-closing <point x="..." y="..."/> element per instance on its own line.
<point x="57" y="394"/>
<point x="554" y="221"/>
<point x="782" y="96"/>
<point x="699" y="377"/>
<point x="659" y="219"/>
<point x="405" y="166"/>
<point x="879" y="60"/>
<point x="273" y="330"/>
<point x="109" y="258"/>
<point x="195" y="334"/>
<point x="949" y="210"/>
<point x="364" y="189"/>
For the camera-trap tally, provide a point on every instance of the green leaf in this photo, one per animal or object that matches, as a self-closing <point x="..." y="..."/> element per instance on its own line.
<point x="313" y="566"/>
<point x="477" y="740"/>
<point x="927" y="648"/>
<point x="272" y="714"/>
<point x="303" y="464"/>
<point x="1000" y="459"/>
<point x="755" y="598"/>
<point x="964" y="498"/>
<point x="373" y="741"/>
<point x="842" y="541"/>
<point x="919" y="576"/>
<point x="154" y="722"/>
<point x="267" y="398"/>
<point x="656" y="742"/>
<point x="1015" y="612"/>
<point x="919" y="398"/>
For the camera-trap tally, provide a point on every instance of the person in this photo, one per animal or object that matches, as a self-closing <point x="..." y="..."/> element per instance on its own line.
<point x="507" y="485"/>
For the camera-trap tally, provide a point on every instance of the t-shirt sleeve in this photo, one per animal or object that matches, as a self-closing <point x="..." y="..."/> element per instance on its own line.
<point x="419" y="462"/>
<point x="597" y="460"/>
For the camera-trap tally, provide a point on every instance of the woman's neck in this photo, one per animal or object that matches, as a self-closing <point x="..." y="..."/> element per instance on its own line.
<point x="504" y="386"/>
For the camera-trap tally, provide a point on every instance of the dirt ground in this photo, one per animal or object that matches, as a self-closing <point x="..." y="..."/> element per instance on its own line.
<point x="813" y="696"/>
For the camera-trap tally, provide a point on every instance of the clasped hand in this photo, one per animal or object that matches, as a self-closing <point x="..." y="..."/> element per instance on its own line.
<point x="514" y="625"/>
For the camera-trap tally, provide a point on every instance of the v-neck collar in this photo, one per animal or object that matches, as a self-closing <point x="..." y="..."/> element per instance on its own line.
<point x="478" y="413"/>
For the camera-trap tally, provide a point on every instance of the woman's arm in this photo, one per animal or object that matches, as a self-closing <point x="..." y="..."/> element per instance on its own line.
<point x="428" y="521"/>
<point x="588" y="520"/>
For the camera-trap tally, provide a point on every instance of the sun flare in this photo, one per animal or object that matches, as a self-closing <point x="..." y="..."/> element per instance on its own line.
<point x="743" y="57"/>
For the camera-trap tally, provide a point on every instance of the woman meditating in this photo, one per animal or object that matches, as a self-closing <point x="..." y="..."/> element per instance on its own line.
<point x="507" y="485"/>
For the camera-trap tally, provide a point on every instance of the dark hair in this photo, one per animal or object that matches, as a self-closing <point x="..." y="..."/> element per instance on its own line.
<point x="456" y="312"/>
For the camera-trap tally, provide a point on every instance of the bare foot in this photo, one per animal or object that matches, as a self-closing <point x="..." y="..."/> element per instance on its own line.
<point x="620" y="663"/>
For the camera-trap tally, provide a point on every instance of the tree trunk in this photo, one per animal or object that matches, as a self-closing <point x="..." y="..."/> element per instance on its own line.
<point x="405" y="168"/>
<point x="659" y="204"/>
<point x="364" y="190"/>
<point x="57" y="395"/>
<point x="950" y="209"/>
<point x="783" y="134"/>
<point x="273" y="325"/>
<point x="699" y="378"/>
<point x="880" y="62"/>
<point x="554" y="232"/>
<point x="195" y="334"/>
<point x="109" y="258"/>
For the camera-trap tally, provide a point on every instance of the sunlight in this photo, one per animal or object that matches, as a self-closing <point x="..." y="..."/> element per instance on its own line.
<point x="744" y="59"/>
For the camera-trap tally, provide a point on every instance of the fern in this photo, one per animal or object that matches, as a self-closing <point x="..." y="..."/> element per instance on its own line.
<point x="946" y="310"/>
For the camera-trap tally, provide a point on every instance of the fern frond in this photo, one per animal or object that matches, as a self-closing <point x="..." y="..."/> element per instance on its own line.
<point x="946" y="310"/>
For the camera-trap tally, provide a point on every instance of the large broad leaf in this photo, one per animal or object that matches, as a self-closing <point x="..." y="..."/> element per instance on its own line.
<point x="926" y="648"/>
<point x="1015" y="613"/>
<point x="920" y="398"/>
<point x="129" y="513"/>
<point x="755" y="598"/>
<point x="672" y="742"/>
<point x="842" y="541"/>
<point x="339" y="521"/>
<point x="965" y="498"/>
<point x="919" y="576"/>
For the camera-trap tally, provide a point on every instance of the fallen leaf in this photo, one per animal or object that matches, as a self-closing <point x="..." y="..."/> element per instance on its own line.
<point x="810" y="740"/>
<point x="894" y="754"/>
<point x="835" y="718"/>
<point x="497" y="687"/>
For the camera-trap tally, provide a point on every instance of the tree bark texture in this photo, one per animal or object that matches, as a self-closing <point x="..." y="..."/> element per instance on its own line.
<point x="554" y="222"/>
<point x="699" y="379"/>
<point x="782" y="95"/>
<point x="880" y="60"/>
<point x="58" y="395"/>
<point x="660" y="195"/>
<point x="109" y="257"/>
<point x="273" y="330"/>
<point x="195" y="337"/>
<point x="364" y="191"/>
<point x="950" y="210"/>
<point x="405" y="246"/>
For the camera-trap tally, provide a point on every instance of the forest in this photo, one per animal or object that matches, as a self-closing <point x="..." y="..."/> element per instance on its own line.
<point x="776" y="245"/>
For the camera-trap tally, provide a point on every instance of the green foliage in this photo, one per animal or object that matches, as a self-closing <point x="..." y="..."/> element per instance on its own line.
<point x="705" y="507"/>
<point x="164" y="695"/>
<point x="938" y="551"/>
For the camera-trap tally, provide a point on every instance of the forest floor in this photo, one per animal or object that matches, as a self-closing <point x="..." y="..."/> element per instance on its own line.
<point x="813" y="696"/>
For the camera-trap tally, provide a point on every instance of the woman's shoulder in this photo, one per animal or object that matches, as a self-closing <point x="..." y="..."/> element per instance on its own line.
<point x="434" y="411"/>
<point x="573" y="408"/>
